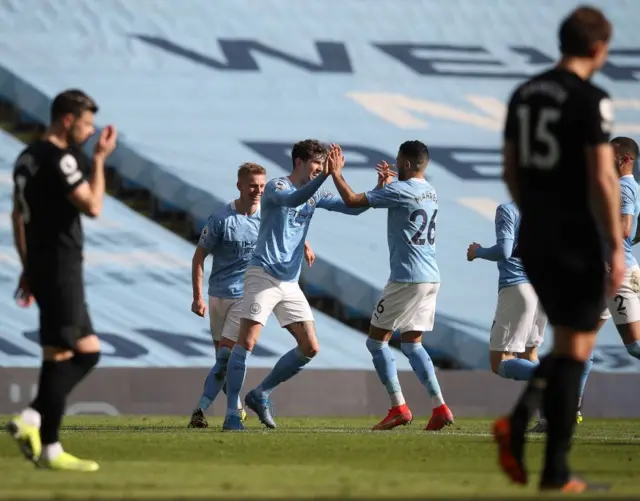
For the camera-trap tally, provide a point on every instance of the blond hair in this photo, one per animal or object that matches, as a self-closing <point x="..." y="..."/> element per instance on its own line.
<point x="248" y="168"/>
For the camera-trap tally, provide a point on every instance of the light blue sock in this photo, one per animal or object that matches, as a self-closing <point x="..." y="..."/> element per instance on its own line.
<point x="288" y="366"/>
<point x="215" y="380"/>
<point x="236" y="372"/>
<point x="423" y="367"/>
<point x="517" y="368"/>
<point x="385" y="366"/>
<point x="633" y="349"/>
<point x="588" y="365"/>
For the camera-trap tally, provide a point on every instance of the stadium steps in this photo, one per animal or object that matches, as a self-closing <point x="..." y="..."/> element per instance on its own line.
<point x="144" y="203"/>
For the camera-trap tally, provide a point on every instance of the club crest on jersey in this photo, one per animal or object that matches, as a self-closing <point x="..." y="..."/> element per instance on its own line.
<point x="311" y="202"/>
<point x="205" y="230"/>
<point x="280" y="185"/>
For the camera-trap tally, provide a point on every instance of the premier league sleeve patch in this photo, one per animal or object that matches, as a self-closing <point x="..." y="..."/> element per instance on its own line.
<point x="280" y="185"/>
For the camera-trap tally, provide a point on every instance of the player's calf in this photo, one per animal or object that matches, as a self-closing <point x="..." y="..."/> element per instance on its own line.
<point x="630" y="335"/>
<point x="290" y="364"/>
<point x="424" y="369"/>
<point x="385" y="366"/>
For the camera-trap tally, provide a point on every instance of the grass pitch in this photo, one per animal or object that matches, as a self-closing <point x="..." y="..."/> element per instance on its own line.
<point x="159" y="457"/>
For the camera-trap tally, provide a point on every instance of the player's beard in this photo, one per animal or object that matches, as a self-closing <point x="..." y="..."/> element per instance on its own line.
<point x="72" y="139"/>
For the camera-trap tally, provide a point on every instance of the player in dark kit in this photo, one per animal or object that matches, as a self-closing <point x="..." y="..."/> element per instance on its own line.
<point x="559" y="168"/>
<point x="50" y="194"/>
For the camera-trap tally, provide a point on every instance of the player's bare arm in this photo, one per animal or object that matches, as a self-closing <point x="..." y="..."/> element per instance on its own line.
<point x="88" y="196"/>
<point x="17" y="222"/>
<point x="627" y="225"/>
<point x="605" y="201"/>
<point x="309" y="255"/>
<point x="23" y="292"/>
<point x="509" y="171"/>
<point x="199" y="305"/>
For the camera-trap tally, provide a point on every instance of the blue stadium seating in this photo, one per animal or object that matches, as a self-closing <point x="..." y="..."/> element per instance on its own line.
<point x="138" y="287"/>
<point x="199" y="87"/>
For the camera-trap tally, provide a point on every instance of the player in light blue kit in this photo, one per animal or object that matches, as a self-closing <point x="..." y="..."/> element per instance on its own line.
<point x="271" y="282"/>
<point x="408" y="302"/>
<point x="624" y="307"/>
<point x="519" y="322"/>
<point x="230" y="237"/>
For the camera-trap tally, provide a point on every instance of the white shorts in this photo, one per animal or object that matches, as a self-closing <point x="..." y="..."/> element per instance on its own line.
<point x="519" y="322"/>
<point x="625" y="305"/>
<point x="406" y="307"/>
<point x="224" y="318"/>
<point x="264" y="294"/>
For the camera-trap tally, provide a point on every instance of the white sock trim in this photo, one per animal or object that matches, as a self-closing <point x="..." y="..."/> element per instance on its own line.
<point x="437" y="401"/>
<point x="31" y="417"/>
<point x="52" y="451"/>
<point x="397" y="399"/>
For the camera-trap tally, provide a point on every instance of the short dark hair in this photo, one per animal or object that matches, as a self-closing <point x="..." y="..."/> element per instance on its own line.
<point x="309" y="149"/>
<point x="72" y="101"/>
<point x="626" y="146"/>
<point x="416" y="152"/>
<point x="581" y="29"/>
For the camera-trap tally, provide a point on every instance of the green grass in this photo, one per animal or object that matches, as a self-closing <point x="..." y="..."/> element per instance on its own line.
<point x="158" y="457"/>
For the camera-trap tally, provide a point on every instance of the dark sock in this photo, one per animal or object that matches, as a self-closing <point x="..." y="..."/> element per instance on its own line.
<point x="531" y="399"/>
<point x="55" y="378"/>
<point x="83" y="364"/>
<point x="560" y="402"/>
<point x="528" y="404"/>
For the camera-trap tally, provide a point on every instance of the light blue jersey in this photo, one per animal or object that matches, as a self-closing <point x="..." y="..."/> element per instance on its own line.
<point x="231" y="238"/>
<point x="411" y="229"/>
<point x="510" y="268"/>
<point x="630" y="205"/>
<point x="286" y="215"/>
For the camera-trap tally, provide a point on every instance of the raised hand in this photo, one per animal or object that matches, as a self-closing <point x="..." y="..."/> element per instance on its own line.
<point x="335" y="160"/>
<point x="107" y="141"/>
<point x="385" y="173"/>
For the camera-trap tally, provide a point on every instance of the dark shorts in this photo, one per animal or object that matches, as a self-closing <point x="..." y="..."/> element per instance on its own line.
<point x="64" y="317"/>
<point x="568" y="276"/>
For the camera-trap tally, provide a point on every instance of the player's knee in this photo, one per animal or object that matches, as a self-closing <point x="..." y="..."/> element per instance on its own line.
<point x="88" y="344"/>
<point x="530" y="354"/>
<point x="310" y="350"/>
<point x="249" y="333"/>
<point x="374" y="345"/>
<point x="496" y="358"/>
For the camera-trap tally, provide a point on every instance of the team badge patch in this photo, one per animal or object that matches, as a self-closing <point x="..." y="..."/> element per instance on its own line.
<point x="311" y="202"/>
<point x="280" y="185"/>
<point x="205" y="230"/>
<point x="255" y="308"/>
